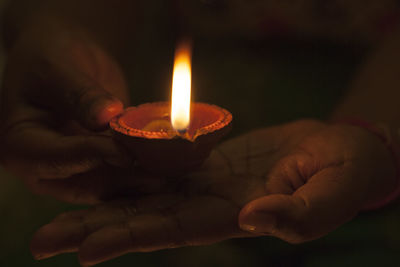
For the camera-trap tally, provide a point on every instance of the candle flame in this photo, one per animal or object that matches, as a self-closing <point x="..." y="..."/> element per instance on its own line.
<point x="181" y="87"/>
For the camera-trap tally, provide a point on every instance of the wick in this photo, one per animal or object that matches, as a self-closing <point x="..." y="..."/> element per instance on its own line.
<point x="182" y="132"/>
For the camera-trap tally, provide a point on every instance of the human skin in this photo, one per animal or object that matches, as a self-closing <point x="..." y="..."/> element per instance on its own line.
<point x="297" y="181"/>
<point x="61" y="88"/>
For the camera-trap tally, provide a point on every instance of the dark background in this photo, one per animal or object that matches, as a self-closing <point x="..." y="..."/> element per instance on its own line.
<point x="262" y="83"/>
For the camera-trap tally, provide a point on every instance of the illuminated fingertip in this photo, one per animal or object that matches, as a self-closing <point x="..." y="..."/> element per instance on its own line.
<point x="108" y="111"/>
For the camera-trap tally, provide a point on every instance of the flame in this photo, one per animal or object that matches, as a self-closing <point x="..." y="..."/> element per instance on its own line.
<point x="181" y="87"/>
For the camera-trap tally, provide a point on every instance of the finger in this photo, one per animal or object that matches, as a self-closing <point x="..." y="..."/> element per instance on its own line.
<point x="145" y="233"/>
<point x="165" y="222"/>
<point x="66" y="232"/>
<point x="125" y="207"/>
<point x="74" y="95"/>
<point x="325" y="202"/>
<point x="290" y="173"/>
<point x="187" y="224"/>
<point x="83" y="188"/>
<point x="101" y="184"/>
<point x="32" y="149"/>
<point x="73" y="77"/>
<point x="71" y="215"/>
<point x="68" y="93"/>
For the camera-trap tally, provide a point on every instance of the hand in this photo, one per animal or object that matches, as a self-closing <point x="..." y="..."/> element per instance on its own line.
<point x="60" y="90"/>
<point x="297" y="182"/>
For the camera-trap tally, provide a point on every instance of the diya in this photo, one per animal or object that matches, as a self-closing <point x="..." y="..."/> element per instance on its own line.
<point x="172" y="138"/>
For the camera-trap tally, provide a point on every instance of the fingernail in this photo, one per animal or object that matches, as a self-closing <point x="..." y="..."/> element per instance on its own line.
<point x="38" y="257"/>
<point x="108" y="110"/>
<point x="258" y="222"/>
<point x="248" y="227"/>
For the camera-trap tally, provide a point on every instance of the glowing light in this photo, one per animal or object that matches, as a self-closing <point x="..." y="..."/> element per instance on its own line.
<point x="181" y="87"/>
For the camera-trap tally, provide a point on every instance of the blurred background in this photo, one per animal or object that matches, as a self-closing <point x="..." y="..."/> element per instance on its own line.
<point x="262" y="82"/>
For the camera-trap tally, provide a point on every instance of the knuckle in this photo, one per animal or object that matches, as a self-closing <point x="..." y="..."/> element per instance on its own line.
<point x="89" y="95"/>
<point x="35" y="188"/>
<point x="300" y="234"/>
<point x="294" y="230"/>
<point x="304" y="231"/>
<point x="51" y="169"/>
<point x="76" y="195"/>
<point x="88" y="103"/>
<point x="61" y="217"/>
<point x="129" y="210"/>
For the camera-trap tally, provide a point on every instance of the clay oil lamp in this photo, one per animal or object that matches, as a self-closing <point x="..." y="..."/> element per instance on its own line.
<point x="173" y="138"/>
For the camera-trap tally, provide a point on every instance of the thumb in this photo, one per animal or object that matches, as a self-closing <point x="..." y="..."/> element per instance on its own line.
<point x="94" y="107"/>
<point x="312" y="211"/>
<point x="71" y="94"/>
<point x="81" y="98"/>
<point x="91" y="96"/>
<point x="282" y="216"/>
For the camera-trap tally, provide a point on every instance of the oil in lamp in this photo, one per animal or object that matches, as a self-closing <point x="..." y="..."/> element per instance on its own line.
<point x="172" y="138"/>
